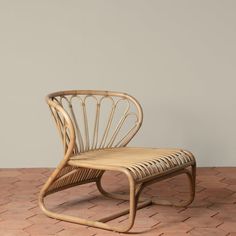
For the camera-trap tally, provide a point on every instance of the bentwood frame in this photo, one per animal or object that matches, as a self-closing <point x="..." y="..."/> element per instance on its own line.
<point x="87" y="155"/>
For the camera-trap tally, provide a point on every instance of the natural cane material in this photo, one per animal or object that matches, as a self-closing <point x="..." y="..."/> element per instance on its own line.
<point x="95" y="128"/>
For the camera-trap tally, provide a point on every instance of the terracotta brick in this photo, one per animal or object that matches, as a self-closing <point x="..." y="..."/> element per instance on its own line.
<point x="14" y="224"/>
<point x="229" y="181"/>
<point x="20" y="205"/>
<point x="16" y="214"/>
<point x="213" y="184"/>
<point x="8" y="173"/>
<point x="198" y="212"/>
<point x="175" y="234"/>
<point x="41" y="219"/>
<point x="207" y="232"/>
<point x="8" y="180"/>
<point x="223" y="209"/>
<point x="229" y="226"/>
<point x="172" y="218"/>
<point x="203" y="222"/>
<point x="231" y="199"/>
<point x="148" y="223"/>
<point x="4" y="201"/>
<point x="208" y="171"/>
<point x="75" y="232"/>
<point x="218" y="192"/>
<point x="12" y="232"/>
<point x="227" y="170"/>
<point x="232" y="187"/>
<point x="167" y="228"/>
<point x="43" y="229"/>
<point x="198" y="202"/>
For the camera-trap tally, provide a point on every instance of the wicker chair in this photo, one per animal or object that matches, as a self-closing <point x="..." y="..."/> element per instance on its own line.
<point x="95" y="141"/>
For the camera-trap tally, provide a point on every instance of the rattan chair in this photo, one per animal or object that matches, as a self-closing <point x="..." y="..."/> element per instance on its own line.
<point x="95" y="141"/>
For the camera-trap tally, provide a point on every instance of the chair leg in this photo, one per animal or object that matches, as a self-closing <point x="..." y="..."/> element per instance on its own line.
<point x="117" y="196"/>
<point x="192" y="183"/>
<point x="139" y="204"/>
<point x="134" y="194"/>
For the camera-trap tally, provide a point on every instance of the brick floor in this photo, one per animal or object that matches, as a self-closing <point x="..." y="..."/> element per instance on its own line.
<point x="212" y="213"/>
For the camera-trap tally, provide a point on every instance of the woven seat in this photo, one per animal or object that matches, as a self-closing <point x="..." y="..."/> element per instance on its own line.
<point x="141" y="162"/>
<point x="95" y="128"/>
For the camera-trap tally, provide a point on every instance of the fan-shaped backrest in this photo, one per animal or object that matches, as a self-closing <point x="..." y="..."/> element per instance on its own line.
<point x="89" y="119"/>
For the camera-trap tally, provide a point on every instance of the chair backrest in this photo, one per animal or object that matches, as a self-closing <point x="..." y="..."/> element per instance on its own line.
<point x="89" y="119"/>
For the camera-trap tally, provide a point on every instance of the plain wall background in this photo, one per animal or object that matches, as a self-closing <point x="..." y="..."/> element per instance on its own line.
<point x="178" y="58"/>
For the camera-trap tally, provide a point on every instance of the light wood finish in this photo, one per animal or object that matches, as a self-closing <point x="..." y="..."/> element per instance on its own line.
<point x="95" y="140"/>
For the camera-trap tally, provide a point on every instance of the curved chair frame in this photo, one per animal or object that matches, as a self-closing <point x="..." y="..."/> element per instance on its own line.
<point x="66" y="175"/>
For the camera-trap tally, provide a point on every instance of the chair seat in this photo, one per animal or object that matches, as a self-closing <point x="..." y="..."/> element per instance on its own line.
<point x="141" y="162"/>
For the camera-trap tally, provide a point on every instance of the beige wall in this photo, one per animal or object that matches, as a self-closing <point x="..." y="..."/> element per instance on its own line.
<point x="177" y="57"/>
